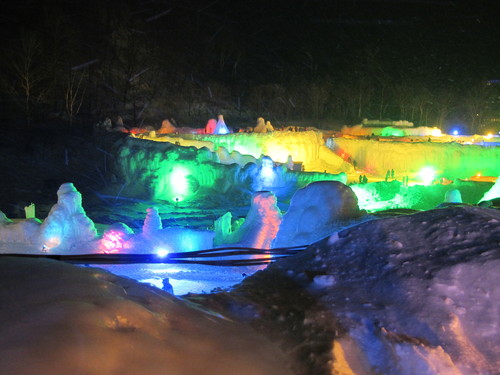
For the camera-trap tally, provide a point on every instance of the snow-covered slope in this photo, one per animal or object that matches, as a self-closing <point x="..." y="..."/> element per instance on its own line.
<point x="62" y="319"/>
<point x="416" y="294"/>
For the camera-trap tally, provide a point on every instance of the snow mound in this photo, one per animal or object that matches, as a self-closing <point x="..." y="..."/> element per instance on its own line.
<point x="315" y="211"/>
<point x="416" y="294"/>
<point x="62" y="319"/>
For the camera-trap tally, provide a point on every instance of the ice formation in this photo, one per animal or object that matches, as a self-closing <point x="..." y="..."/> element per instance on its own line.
<point x="210" y="126"/>
<point x="450" y="160"/>
<point x="493" y="193"/>
<point x="315" y="211"/>
<point x="67" y="223"/>
<point x="152" y="222"/>
<point x="166" y="128"/>
<point x="263" y="126"/>
<point x="453" y="196"/>
<point x="257" y="230"/>
<point x="221" y="127"/>
<point x="166" y="171"/>
<point x="390" y="128"/>
<point x="66" y="227"/>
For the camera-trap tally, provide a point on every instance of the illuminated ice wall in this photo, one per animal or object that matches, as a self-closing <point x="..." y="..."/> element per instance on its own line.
<point x="307" y="148"/>
<point x="171" y="172"/>
<point x="449" y="160"/>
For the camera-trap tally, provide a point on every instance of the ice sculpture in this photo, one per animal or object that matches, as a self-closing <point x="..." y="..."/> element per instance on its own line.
<point x="152" y="222"/>
<point x="221" y="127"/>
<point x="67" y="223"/>
<point x="493" y="193"/>
<point x="166" y="128"/>
<point x="266" y="177"/>
<point x="259" y="228"/>
<point x="210" y="126"/>
<point x="453" y="196"/>
<point x="263" y="126"/>
<point x="315" y="211"/>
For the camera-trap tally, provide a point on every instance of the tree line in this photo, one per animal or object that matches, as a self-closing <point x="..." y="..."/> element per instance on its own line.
<point x="78" y="63"/>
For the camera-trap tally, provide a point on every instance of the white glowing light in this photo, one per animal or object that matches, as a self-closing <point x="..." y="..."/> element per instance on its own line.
<point x="427" y="175"/>
<point x="436" y="132"/>
<point x="162" y="252"/>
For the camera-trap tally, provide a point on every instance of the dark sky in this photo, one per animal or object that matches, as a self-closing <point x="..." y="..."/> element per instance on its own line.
<point x="321" y="31"/>
<point x="243" y="44"/>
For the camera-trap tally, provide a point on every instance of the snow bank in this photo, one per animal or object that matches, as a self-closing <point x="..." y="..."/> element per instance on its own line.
<point x="416" y="294"/>
<point x="450" y="160"/>
<point x="315" y="211"/>
<point x="62" y="319"/>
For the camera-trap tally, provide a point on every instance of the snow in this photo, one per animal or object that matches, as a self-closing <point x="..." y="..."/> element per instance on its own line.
<point x="415" y="294"/>
<point x="62" y="319"/>
<point x="316" y="211"/>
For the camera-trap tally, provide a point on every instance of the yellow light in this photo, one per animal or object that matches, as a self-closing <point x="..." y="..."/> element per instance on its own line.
<point x="436" y="132"/>
<point x="489" y="136"/>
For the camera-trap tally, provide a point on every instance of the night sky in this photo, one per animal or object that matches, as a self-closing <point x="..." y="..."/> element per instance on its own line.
<point x="238" y="46"/>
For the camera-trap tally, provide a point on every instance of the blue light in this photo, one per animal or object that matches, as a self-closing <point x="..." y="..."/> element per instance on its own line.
<point x="162" y="252"/>
<point x="455" y="132"/>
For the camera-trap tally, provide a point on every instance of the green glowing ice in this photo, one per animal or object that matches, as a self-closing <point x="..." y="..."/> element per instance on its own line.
<point x="389" y="131"/>
<point x="179" y="185"/>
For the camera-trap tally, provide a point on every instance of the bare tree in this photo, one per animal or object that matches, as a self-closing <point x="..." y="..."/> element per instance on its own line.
<point x="30" y="82"/>
<point x="74" y="95"/>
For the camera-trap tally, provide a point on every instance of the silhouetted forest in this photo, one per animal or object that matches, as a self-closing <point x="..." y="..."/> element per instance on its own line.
<point x="77" y="62"/>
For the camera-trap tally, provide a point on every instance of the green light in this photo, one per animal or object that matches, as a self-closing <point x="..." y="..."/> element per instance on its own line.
<point x="389" y="131"/>
<point x="427" y="175"/>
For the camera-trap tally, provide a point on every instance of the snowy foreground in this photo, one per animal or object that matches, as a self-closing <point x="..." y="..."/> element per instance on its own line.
<point x="414" y="294"/>
<point x="62" y="319"/>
